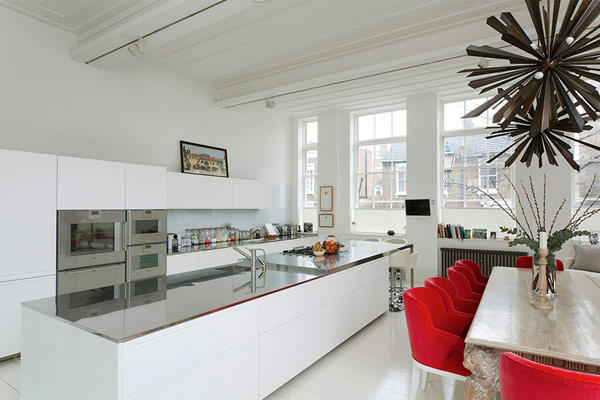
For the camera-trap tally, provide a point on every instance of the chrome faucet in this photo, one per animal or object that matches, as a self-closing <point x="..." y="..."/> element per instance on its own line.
<point x="253" y="258"/>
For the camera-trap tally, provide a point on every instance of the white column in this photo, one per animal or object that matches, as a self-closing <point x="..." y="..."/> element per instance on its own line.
<point x="423" y="178"/>
<point x="334" y="167"/>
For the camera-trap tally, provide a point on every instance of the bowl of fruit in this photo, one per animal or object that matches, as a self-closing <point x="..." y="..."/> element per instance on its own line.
<point x="331" y="244"/>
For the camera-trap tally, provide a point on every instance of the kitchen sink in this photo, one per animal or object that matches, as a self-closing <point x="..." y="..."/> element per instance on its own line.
<point x="234" y="268"/>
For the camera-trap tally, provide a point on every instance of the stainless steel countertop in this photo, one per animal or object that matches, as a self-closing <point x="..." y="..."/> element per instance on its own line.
<point x="227" y="245"/>
<point x="191" y="295"/>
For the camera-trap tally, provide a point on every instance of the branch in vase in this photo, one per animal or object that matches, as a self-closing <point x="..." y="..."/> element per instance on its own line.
<point x="537" y="208"/>
<point x="556" y="216"/>
<point x="533" y="211"/>
<point x="522" y="208"/>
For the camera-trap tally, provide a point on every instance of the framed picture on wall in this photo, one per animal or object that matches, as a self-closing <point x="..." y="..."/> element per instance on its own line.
<point x="326" y="198"/>
<point x="325" y="220"/>
<point x="203" y="160"/>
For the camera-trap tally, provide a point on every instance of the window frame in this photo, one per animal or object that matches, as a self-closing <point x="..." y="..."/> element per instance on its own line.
<point x="465" y="133"/>
<point x="374" y="142"/>
<point x="306" y="147"/>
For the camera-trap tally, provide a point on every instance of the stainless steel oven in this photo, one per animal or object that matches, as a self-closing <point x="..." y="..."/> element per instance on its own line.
<point x="90" y="251"/>
<point x="146" y="261"/>
<point x="146" y="226"/>
<point x="90" y="238"/>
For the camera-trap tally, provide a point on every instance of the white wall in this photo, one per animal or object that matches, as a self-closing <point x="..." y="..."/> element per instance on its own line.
<point x="134" y="112"/>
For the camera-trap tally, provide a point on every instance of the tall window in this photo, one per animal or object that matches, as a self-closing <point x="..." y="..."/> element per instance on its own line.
<point x="465" y="151"/>
<point x="589" y="165"/>
<point x="310" y="160"/>
<point x="380" y="170"/>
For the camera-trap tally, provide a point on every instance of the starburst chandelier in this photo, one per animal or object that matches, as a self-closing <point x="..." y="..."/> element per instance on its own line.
<point x="542" y="94"/>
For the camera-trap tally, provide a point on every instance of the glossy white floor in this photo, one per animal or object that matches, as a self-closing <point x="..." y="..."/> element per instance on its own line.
<point x="373" y="364"/>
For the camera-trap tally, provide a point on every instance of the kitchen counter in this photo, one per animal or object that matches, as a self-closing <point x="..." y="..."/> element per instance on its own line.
<point x="194" y="294"/>
<point x="226" y="245"/>
<point x="214" y="333"/>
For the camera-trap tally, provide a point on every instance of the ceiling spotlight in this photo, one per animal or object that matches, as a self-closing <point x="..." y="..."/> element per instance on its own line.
<point x="483" y="63"/>
<point x="270" y="104"/>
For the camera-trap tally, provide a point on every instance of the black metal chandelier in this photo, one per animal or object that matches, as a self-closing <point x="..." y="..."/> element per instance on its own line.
<point x="542" y="94"/>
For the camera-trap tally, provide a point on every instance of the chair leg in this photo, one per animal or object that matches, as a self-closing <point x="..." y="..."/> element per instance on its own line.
<point x="424" y="377"/>
<point x="414" y="383"/>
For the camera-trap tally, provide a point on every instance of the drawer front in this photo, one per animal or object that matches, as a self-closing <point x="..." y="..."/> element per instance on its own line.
<point x="77" y="280"/>
<point x="284" y="306"/>
<point x="159" y="356"/>
<point x="374" y="270"/>
<point x="232" y="376"/>
<point x="343" y="283"/>
<point x="289" y="349"/>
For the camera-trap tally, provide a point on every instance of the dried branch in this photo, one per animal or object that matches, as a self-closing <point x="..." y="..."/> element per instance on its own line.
<point x="544" y="212"/>
<point x="533" y="213"/>
<point x="556" y="216"/>
<point x="582" y="203"/>
<point x="537" y="208"/>
<point x="522" y="209"/>
<point x="506" y="210"/>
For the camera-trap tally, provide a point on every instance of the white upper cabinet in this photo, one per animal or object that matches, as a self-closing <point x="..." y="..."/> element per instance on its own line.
<point x="187" y="191"/>
<point x="27" y="214"/>
<point x="251" y="194"/>
<point x="146" y="187"/>
<point x="90" y="184"/>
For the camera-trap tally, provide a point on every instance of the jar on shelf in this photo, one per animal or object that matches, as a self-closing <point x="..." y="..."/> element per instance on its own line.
<point x="195" y="238"/>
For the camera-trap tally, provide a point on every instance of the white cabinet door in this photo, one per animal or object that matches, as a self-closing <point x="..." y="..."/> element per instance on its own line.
<point x="27" y="214"/>
<point x="146" y="187"/>
<point x="186" y="191"/>
<point x="90" y="184"/>
<point x="12" y="294"/>
<point x="249" y="194"/>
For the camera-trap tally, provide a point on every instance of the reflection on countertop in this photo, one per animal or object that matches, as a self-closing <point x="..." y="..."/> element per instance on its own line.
<point x="226" y="245"/>
<point x="149" y="306"/>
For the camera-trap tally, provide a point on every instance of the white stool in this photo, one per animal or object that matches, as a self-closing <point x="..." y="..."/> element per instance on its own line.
<point x="371" y="239"/>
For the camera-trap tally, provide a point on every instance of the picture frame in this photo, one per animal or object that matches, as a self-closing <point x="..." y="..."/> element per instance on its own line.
<point x="326" y="221"/>
<point x="199" y="159"/>
<point x="326" y="198"/>
<point x="308" y="227"/>
<point x="492" y="235"/>
<point x="479" y="233"/>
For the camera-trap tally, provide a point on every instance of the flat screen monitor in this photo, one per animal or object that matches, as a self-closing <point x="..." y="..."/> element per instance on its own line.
<point x="417" y="207"/>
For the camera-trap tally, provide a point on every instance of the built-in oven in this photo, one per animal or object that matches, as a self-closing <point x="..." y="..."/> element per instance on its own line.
<point x="146" y="226"/>
<point x="146" y="261"/>
<point x="84" y="279"/>
<point x="90" y="238"/>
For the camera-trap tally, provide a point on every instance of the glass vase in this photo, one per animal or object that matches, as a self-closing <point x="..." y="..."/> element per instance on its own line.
<point x="550" y="280"/>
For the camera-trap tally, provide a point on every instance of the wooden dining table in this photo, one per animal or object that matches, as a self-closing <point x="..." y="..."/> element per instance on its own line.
<point x="568" y="336"/>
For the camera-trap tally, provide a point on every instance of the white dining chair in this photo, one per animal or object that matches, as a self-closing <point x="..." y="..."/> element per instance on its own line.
<point x="396" y="241"/>
<point x="371" y="239"/>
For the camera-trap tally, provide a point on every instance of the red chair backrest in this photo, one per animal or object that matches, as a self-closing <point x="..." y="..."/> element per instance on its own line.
<point x="448" y="297"/>
<point x="424" y="311"/>
<point x="472" y="265"/>
<point x="462" y="285"/>
<point x="527" y="262"/>
<point x="471" y="277"/>
<point x="524" y="379"/>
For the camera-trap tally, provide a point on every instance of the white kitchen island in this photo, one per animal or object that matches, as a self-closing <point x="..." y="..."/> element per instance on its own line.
<point x="210" y="334"/>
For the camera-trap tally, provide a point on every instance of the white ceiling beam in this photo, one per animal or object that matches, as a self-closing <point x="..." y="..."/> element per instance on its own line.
<point x="109" y="44"/>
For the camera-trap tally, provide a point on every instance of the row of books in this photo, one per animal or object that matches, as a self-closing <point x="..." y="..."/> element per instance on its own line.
<point x="459" y="232"/>
<point x="452" y="231"/>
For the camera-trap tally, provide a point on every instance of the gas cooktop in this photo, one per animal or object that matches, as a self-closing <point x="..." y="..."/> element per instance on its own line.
<point x="300" y="250"/>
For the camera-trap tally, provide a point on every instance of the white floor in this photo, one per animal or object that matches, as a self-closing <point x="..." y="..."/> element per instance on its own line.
<point x="373" y="364"/>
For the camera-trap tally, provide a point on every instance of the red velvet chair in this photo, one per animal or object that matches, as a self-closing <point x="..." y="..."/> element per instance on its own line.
<point x="527" y="262"/>
<point x="476" y="270"/>
<point x="475" y="286"/>
<point x="434" y="340"/>
<point x="452" y="312"/>
<point x="462" y="285"/>
<point x="525" y="379"/>
<point x="446" y="289"/>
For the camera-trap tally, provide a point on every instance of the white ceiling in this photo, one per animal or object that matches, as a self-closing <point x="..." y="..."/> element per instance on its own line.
<point x="280" y="49"/>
